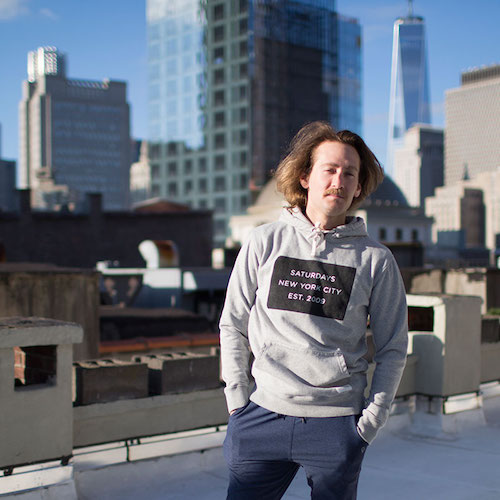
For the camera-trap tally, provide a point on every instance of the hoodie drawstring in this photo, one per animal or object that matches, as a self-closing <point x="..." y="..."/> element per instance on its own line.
<point x="317" y="236"/>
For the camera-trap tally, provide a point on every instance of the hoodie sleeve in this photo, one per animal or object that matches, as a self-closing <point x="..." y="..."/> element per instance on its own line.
<point x="389" y="326"/>
<point x="235" y="348"/>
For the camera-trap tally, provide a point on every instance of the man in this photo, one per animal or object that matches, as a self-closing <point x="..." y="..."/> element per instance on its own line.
<point x="293" y="328"/>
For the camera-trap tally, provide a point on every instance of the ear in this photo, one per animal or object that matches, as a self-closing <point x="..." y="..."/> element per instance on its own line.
<point x="304" y="182"/>
<point x="358" y="191"/>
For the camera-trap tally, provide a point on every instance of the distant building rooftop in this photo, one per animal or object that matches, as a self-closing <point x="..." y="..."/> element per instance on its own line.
<point x="480" y="74"/>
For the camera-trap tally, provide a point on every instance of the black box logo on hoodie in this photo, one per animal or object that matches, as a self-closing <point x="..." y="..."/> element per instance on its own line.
<point x="311" y="287"/>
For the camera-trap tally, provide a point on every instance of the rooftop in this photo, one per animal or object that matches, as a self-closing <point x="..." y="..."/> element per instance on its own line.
<point x="412" y="461"/>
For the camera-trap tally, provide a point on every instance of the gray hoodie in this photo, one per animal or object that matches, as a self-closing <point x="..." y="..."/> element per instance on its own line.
<point x="299" y="299"/>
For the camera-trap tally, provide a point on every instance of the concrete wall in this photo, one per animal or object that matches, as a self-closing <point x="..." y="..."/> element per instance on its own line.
<point x="120" y="420"/>
<point x="52" y="292"/>
<point x="36" y="420"/>
<point x="449" y="356"/>
<point x="480" y="282"/>
<point x="490" y="362"/>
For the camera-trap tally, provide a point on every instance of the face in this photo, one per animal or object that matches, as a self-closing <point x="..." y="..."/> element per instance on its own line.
<point x="332" y="184"/>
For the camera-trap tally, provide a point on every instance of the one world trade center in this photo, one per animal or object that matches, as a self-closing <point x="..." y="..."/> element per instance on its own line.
<point x="409" y="99"/>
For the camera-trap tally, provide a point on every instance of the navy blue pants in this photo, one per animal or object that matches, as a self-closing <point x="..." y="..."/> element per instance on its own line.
<point x="264" y="451"/>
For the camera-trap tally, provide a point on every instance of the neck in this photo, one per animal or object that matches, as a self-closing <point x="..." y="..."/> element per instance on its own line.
<point x="325" y="223"/>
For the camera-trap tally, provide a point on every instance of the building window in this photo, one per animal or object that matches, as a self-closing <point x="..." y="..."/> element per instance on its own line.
<point x="243" y="137"/>
<point x="188" y="167"/>
<point x="399" y="234"/>
<point x="243" y="70"/>
<point x="243" y="181"/>
<point x="172" y="148"/>
<point x="220" y="204"/>
<point x="219" y="76"/>
<point x="243" y="5"/>
<point x="414" y="234"/>
<point x="219" y="141"/>
<point x="219" y="119"/>
<point x="382" y="234"/>
<point x="155" y="191"/>
<point x="202" y="165"/>
<point x="220" y="227"/>
<point x="218" y="12"/>
<point x="243" y="201"/>
<point x="219" y="98"/>
<point x="243" y="92"/>
<point x="172" y="189"/>
<point x="243" y="48"/>
<point x="202" y="185"/>
<point x="220" y="184"/>
<point x="218" y="33"/>
<point x="220" y="162"/>
<point x="172" y="168"/>
<point x="154" y="151"/>
<point x="202" y="204"/>
<point x="243" y="158"/>
<point x="188" y="187"/>
<point x="243" y="26"/>
<point x="155" y="171"/>
<point x="218" y="55"/>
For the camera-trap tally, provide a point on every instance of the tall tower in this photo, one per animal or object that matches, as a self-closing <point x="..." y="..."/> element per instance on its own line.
<point x="74" y="136"/>
<point x="409" y="99"/>
<point x="231" y="81"/>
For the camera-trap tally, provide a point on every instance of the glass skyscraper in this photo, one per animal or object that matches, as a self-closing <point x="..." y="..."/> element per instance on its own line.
<point x="231" y="81"/>
<point x="409" y="99"/>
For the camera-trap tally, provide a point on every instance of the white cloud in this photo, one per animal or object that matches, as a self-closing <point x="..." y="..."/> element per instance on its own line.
<point x="9" y="9"/>
<point x="48" y="13"/>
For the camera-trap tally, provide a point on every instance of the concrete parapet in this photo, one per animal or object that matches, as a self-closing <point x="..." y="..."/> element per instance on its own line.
<point x="104" y="380"/>
<point x="490" y="362"/>
<point x="179" y="372"/>
<point x="134" y="418"/>
<point x="449" y="356"/>
<point x="36" y="413"/>
<point x="481" y="282"/>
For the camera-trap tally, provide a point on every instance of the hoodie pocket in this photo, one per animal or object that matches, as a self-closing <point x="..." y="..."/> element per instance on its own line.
<point x="305" y="375"/>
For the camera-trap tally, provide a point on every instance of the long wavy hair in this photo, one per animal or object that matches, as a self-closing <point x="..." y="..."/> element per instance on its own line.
<point x="297" y="164"/>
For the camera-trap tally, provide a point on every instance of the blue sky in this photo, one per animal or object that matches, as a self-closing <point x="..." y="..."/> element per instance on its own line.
<point x="107" y="39"/>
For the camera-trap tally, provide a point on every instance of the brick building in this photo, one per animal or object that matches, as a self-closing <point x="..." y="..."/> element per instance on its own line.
<point x="81" y="240"/>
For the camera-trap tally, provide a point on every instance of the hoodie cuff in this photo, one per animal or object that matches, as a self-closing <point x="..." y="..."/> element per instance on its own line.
<point x="371" y="421"/>
<point x="236" y="397"/>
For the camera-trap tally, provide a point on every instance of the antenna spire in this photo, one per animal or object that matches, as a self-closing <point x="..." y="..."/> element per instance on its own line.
<point x="410" y="8"/>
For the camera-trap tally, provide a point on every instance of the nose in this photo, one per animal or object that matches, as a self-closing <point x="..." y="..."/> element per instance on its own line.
<point x="337" y="180"/>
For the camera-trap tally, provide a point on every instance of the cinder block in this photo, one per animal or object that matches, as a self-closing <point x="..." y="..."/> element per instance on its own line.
<point x="490" y="329"/>
<point x="105" y="380"/>
<point x="181" y="372"/>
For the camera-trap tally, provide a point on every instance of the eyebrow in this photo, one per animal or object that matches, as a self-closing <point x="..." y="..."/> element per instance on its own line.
<point x="333" y="164"/>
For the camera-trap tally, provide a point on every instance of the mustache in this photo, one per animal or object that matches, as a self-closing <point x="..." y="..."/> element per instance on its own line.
<point x="335" y="191"/>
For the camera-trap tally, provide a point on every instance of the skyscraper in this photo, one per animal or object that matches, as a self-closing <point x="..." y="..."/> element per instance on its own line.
<point x="74" y="136"/>
<point x="472" y="143"/>
<point x="231" y="81"/>
<point x="409" y="99"/>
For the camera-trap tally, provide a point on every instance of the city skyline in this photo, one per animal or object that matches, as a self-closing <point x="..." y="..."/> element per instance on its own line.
<point x="104" y="40"/>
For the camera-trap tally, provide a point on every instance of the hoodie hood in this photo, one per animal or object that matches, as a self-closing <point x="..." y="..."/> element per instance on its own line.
<point x="354" y="226"/>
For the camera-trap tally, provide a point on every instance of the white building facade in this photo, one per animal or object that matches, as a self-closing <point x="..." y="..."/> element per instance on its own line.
<point x="472" y="142"/>
<point x="419" y="163"/>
